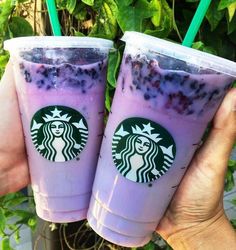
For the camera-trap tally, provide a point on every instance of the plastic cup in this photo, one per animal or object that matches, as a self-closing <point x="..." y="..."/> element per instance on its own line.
<point x="60" y="83"/>
<point x="165" y="97"/>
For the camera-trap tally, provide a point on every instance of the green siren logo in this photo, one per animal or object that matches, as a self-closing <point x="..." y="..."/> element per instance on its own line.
<point x="142" y="150"/>
<point x="59" y="133"/>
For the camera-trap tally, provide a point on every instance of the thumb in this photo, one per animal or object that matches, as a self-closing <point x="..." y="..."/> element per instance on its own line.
<point x="214" y="154"/>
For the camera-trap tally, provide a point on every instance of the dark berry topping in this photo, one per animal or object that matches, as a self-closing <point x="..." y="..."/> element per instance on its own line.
<point x="27" y="76"/>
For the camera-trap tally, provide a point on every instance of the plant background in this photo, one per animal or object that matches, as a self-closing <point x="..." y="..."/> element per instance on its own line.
<point x="168" y="19"/>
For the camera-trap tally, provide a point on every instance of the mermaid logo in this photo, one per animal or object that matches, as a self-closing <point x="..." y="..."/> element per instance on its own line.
<point x="59" y="133"/>
<point x="142" y="150"/>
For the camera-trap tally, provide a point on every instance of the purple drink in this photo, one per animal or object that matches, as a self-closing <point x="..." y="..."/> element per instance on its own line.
<point x="164" y="99"/>
<point x="60" y="84"/>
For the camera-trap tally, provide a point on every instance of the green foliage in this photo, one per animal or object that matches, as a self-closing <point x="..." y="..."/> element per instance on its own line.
<point x="113" y="66"/>
<point x="6" y="244"/>
<point x="229" y="181"/>
<point x="12" y="218"/>
<point x="105" y="23"/>
<point x="225" y="3"/>
<point x="168" y="19"/>
<point x="18" y="26"/>
<point x="11" y="26"/>
<point x="131" y="14"/>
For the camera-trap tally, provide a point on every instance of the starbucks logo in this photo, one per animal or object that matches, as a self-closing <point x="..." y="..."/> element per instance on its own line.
<point x="142" y="150"/>
<point x="59" y="133"/>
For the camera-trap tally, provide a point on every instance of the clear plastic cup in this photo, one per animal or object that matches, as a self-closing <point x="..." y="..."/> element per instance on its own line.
<point x="165" y="97"/>
<point x="60" y="84"/>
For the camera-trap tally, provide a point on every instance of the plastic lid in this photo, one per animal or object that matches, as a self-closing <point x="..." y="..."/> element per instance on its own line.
<point x="192" y="56"/>
<point x="56" y="42"/>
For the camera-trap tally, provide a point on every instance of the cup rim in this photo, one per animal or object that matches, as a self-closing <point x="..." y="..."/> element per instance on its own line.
<point x="152" y="44"/>
<point x="30" y="42"/>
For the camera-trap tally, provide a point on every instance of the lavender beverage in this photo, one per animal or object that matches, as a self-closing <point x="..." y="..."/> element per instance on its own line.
<point x="60" y="84"/>
<point x="164" y="100"/>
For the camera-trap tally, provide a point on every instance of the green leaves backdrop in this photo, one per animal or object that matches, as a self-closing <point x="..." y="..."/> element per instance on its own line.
<point x="168" y="19"/>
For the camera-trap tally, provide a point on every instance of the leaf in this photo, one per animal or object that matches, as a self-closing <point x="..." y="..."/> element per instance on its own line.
<point x="106" y="24"/>
<point x="17" y="236"/>
<point x="214" y="16"/>
<point x="2" y="220"/>
<point x="32" y="223"/>
<point x="192" y="1"/>
<point x="231" y="11"/>
<point x="108" y="101"/>
<point x="166" y="22"/>
<point x="232" y="165"/>
<point x="78" y="33"/>
<point x="11" y="196"/>
<point x="156" y="18"/>
<point x="20" y="27"/>
<point x="88" y="2"/>
<point x="3" y="60"/>
<point x="113" y="66"/>
<point x="229" y="181"/>
<point x="232" y="37"/>
<point x="131" y="16"/>
<point x="233" y="223"/>
<point x="61" y="4"/>
<point x="15" y="202"/>
<point x="70" y="5"/>
<point x="150" y="246"/>
<point x="225" y="3"/>
<point x="80" y="12"/>
<point x="6" y="244"/>
<point x="7" y="8"/>
<point x="24" y="215"/>
<point x="233" y="202"/>
<point x="231" y="24"/>
<point x="202" y="47"/>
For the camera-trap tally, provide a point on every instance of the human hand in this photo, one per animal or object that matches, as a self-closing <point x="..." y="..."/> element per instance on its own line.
<point x="195" y="218"/>
<point x="14" y="173"/>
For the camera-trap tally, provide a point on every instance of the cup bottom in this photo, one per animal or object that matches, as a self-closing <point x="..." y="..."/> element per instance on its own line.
<point x="62" y="204"/>
<point x="61" y="217"/>
<point x="119" y="224"/>
<point x="115" y="237"/>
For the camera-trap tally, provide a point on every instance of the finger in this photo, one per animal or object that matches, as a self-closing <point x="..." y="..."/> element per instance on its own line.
<point x="10" y="124"/>
<point x="214" y="154"/>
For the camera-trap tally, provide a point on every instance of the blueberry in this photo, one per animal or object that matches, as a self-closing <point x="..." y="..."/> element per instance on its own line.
<point x="83" y="82"/>
<point x="94" y="74"/>
<point x="40" y="83"/>
<point x="216" y="92"/>
<point x="146" y="96"/>
<point x="194" y="85"/>
<point x="131" y="88"/>
<point x="48" y="87"/>
<point x="177" y="78"/>
<point x="100" y="67"/>
<point x="168" y="77"/>
<point x="203" y="95"/>
<point x="45" y="73"/>
<point x="21" y="65"/>
<point x="128" y="59"/>
<point x="123" y="83"/>
<point x="202" y="85"/>
<point x="27" y="76"/>
<point x="79" y="72"/>
<point x="161" y="91"/>
<point x="190" y="112"/>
